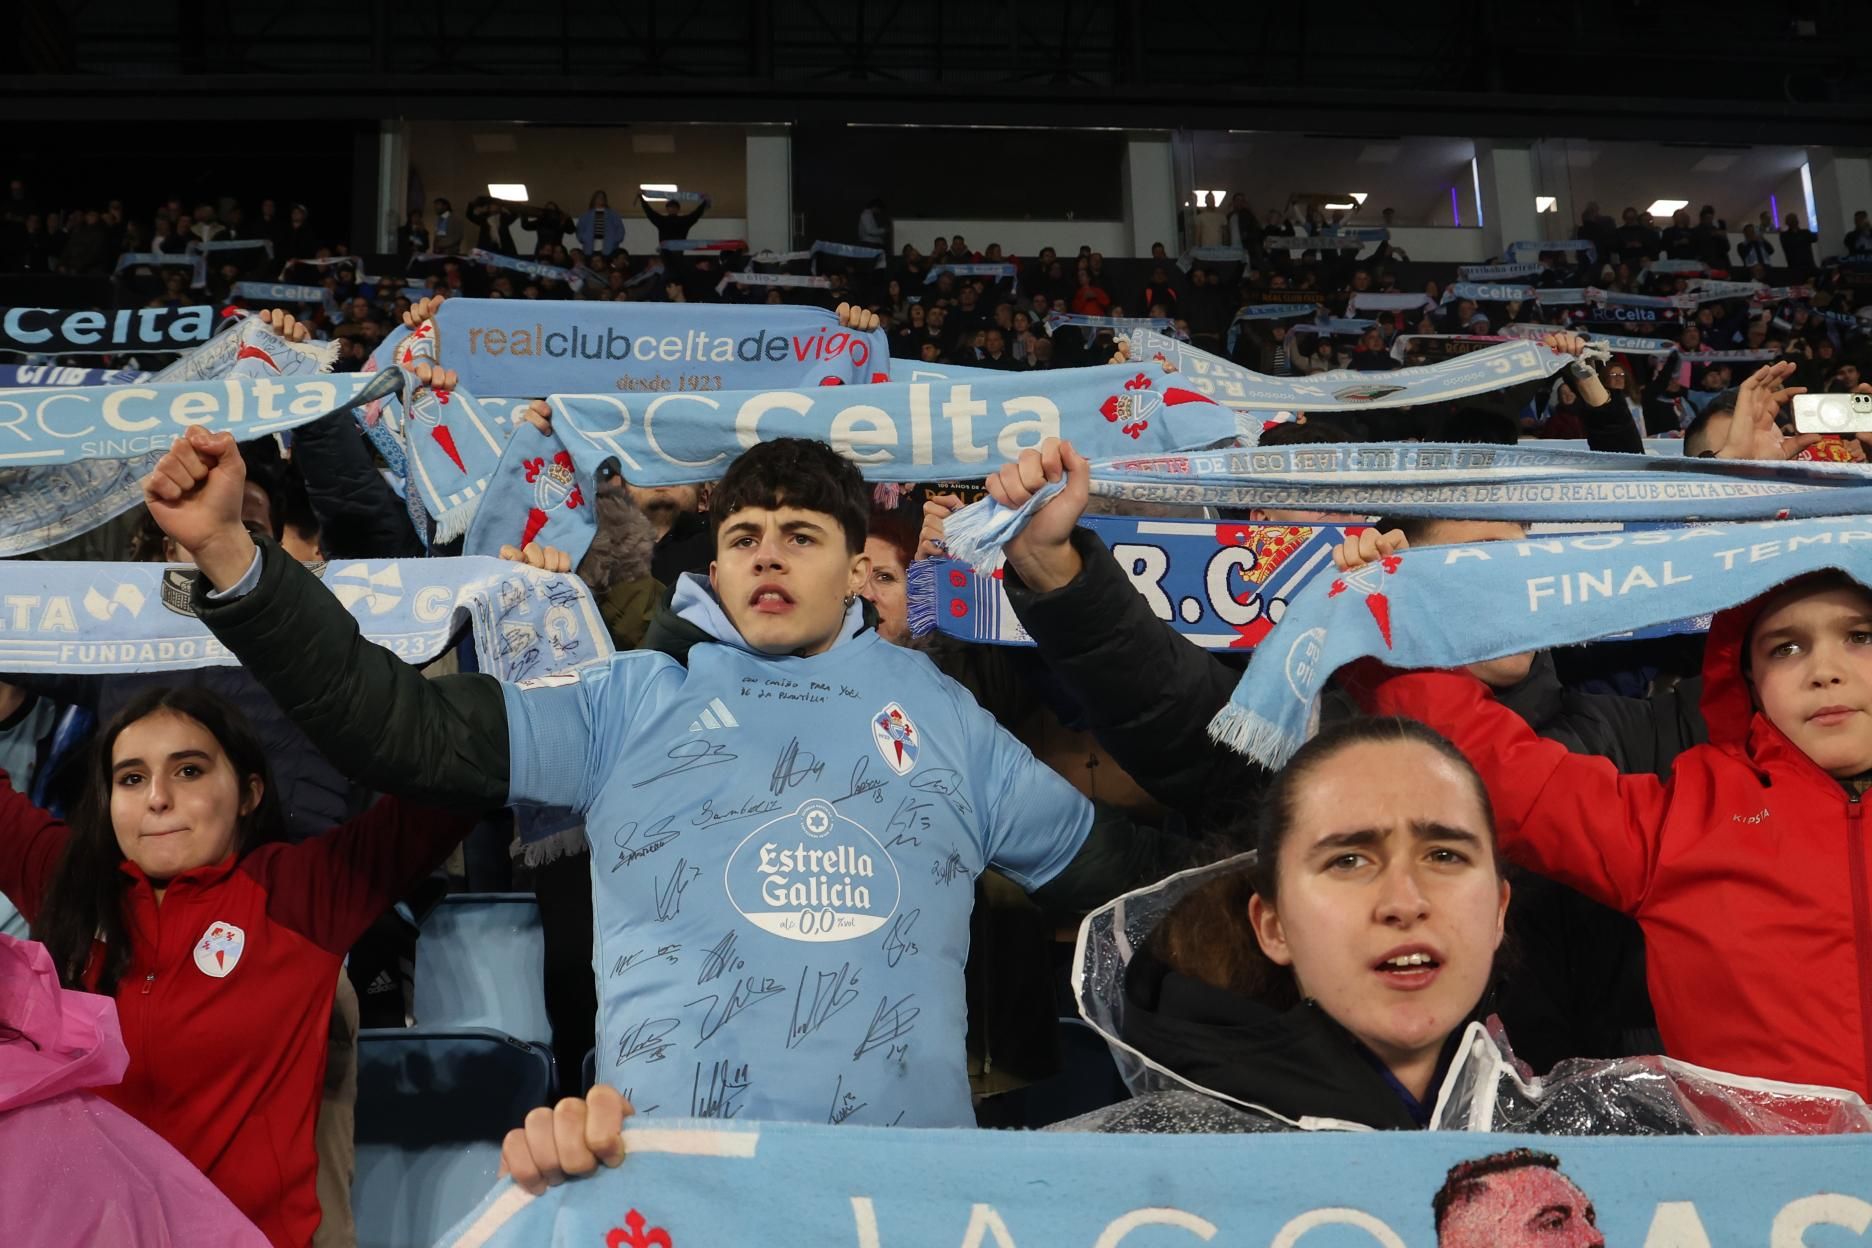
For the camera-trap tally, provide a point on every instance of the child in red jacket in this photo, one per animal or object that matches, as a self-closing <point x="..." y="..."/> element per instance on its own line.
<point x="1749" y="869"/>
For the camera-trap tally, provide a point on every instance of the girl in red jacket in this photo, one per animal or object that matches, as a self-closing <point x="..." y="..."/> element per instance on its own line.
<point x="172" y="891"/>
<point x="1749" y="869"/>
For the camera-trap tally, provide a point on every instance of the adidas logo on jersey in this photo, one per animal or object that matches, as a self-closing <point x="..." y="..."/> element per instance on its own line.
<point x="715" y="715"/>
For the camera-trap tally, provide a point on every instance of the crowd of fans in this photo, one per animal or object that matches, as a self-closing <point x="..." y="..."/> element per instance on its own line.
<point x="1251" y="988"/>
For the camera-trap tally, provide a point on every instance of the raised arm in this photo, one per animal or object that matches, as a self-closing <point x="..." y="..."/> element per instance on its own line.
<point x="1147" y="691"/>
<point x="376" y="718"/>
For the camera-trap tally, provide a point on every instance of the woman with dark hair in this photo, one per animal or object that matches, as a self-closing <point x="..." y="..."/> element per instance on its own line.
<point x="1341" y="975"/>
<point x="1334" y="976"/>
<point x="173" y="891"/>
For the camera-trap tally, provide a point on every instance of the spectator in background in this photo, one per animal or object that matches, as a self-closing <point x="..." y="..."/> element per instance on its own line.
<point x="1635" y="239"/>
<point x="87" y="246"/>
<point x="994" y="353"/>
<point x="1212" y="227"/>
<point x="448" y="229"/>
<point x="1711" y="238"/>
<point x="1244" y="227"/>
<point x="600" y="231"/>
<point x="1753" y="249"/>
<point x="1679" y="239"/>
<point x="1370" y="355"/>
<point x="549" y="226"/>
<point x="1797" y="247"/>
<point x="412" y="237"/>
<point x="494" y="221"/>
<point x="1159" y="291"/>
<point x="272" y="227"/>
<point x="672" y="224"/>
<point x="301" y="240"/>
<point x="874" y="225"/>
<point x="1859" y="241"/>
<point x="1598" y="230"/>
<point x="1089" y="299"/>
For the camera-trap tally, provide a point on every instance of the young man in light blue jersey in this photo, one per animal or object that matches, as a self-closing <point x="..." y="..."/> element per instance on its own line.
<point x="785" y="819"/>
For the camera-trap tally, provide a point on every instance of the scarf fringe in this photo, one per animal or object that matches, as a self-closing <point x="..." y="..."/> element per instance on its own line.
<point x="561" y="844"/>
<point x="920" y="581"/>
<point x="454" y="523"/>
<point x="1246" y="732"/>
<point x="324" y="354"/>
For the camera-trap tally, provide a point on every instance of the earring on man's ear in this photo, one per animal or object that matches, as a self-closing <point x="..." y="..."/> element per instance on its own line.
<point x="849" y="599"/>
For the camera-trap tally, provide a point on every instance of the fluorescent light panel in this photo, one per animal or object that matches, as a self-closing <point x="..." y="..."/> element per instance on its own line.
<point x="514" y="191"/>
<point x="1546" y="203"/>
<point x="1664" y="207"/>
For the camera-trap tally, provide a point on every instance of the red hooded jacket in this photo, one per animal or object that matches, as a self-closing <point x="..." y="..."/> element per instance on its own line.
<point x="226" y="1003"/>
<point x="1748" y="870"/>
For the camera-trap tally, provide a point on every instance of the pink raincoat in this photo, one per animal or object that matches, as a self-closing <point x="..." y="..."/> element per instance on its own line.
<point x="74" y="1169"/>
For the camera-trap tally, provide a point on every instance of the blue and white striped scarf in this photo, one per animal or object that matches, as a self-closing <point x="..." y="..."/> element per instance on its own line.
<point x="1466" y="481"/>
<point x="42" y="506"/>
<point x="1445" y="606"/>
<point x="531" y="268"/>
<point x="137" y="617"/>
<point x="1344" y="391"/>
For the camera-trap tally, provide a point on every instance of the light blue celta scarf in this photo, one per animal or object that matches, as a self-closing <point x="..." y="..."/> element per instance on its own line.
<point x="136" y="617"/>
<point x="1444" y="606"/>
<point x="1344" y="391"/>
<point x="512" y="348"/>
<point x="53" y="500"/>
<point x="1467" y="481"/>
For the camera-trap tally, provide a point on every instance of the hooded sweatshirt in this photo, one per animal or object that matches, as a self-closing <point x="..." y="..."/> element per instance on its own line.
<point x="74" y="1169"/>
<point x="1748" y="869"/>
<point x="784" y="851"/>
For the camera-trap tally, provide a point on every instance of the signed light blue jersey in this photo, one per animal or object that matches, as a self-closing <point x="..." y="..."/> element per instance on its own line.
<point x="783" y="862"/>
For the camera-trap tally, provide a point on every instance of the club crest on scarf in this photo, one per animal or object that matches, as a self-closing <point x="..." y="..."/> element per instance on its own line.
<point x="554" y="485"/>
<point x="636" y="1233"/>
<point x="814" y="875"/>
<point x="896" y="738"/>
<point x="219" y="949"/>
<point x="1368" y="580"/>
<point x="1132" y="408"/>
<point x="537" y="494"/>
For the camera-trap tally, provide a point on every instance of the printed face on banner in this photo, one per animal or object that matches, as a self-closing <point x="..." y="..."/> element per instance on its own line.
<point x="1529" y="1206"/>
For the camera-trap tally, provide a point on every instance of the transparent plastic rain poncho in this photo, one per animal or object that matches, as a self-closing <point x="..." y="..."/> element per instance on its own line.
<point x="1486" y="1089"/>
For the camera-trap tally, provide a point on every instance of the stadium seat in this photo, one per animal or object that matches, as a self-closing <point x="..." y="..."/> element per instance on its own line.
<point x="480" y="962"/>
<point x="432" y="1109"/>
<point x="1087" y="1079"/>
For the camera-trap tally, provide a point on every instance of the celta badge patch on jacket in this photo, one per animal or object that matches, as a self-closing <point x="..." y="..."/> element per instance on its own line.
<point x="896" y="738"/>
<point x="219" y="949"/>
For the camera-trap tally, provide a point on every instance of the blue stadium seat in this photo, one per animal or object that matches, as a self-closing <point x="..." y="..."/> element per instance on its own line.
<point x="432" y="1108"/>
<point x="480" y="962"/>
<point x="1087" y="1079"/>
